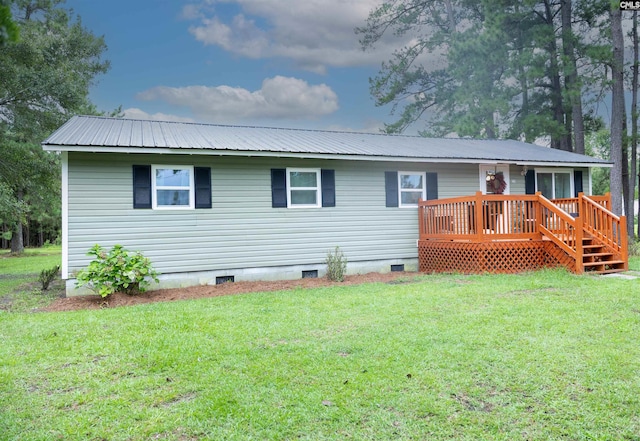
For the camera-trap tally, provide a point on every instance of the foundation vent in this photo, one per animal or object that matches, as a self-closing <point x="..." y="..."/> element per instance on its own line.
<point x="224" y="279"/>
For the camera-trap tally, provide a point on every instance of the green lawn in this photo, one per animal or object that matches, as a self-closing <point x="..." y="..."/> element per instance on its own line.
<point x="541" y="356"/>
<point x="19" y="287"/>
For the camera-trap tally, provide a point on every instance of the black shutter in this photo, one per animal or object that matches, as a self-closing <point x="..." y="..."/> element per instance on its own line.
<point x="141" y="186"/>
<point x="432" y="186"/>
<point x="328" y="178"/>
<point x="577" y="182"/>
<point x="279" y="188"/>
<point x="530" y="182"/>
<point x="391" y="188"/>
<point x="202" y="179"/>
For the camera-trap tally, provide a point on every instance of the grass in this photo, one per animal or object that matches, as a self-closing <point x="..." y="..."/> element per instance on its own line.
<point x="539" y="356"/>
<point x="19" y="287"/>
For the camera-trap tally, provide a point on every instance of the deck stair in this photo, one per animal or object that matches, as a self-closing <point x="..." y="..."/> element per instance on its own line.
<point x="597" y="259"/>
<point x="596" y="250"/>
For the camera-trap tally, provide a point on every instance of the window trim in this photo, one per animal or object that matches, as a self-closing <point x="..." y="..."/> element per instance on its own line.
<point x="553" y="171"/>
<point x="155" y="187"/>
<point x="423" y="191"/>
<point x="318" y="187"/>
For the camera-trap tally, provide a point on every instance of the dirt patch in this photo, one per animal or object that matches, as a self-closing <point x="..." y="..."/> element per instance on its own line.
<point x="196" y="292"/>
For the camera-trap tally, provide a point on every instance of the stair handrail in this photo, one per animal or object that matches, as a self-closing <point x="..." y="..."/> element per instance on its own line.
<point x="604" y="225"/>
<point x="567" y="232"/>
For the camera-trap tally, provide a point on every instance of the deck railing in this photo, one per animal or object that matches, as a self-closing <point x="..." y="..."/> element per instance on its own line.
<point x="485" y="218"/>
<point x="605" y="226"/>
<point x="572" y="205"/>
<point x="564" y="229"/>
<point x="480" y="218"/>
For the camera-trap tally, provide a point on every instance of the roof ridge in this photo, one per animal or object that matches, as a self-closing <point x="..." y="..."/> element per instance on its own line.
<point x="194" y="123"/>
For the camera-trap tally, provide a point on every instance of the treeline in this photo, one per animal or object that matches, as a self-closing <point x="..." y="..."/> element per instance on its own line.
<point x="532" y="70"/>
<point x="48" y="61"/>
<point x="35" y="234"/>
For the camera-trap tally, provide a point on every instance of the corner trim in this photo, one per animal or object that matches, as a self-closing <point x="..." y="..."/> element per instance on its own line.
<point x="65" y="215"/>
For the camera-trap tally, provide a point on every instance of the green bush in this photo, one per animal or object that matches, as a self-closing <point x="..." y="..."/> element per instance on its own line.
<point x="47" y="276"/>
<point x="336" y="265"/>
<point x="118" y="270"/>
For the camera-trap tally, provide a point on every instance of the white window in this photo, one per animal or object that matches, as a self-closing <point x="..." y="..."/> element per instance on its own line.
<point x="411" y="186"/>
<point x="172" y="187"/>
<point x="303" y="188"/>
<point x="555" y="184"/>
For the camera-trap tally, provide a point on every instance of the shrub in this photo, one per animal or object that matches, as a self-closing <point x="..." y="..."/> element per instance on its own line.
<point x="47" y="276"/>
<point x="336" y="265"/>
<point x="118" y="270"/>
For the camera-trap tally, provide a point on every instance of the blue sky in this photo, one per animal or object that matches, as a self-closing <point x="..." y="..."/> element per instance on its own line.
<point x="283" y="63"/>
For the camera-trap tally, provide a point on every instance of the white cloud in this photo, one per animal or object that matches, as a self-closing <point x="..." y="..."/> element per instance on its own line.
<point x="313" y="33"/>
<point x="279" y="98"/>
<point x="135" y="113"/>
<point x="191" y="12"/>
<point x="252" y="42"/>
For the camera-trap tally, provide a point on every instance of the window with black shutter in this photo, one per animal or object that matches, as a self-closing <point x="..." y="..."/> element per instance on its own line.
<point x="404" y="189"/>
<point x="165" y="187"/>
<point x="302" y="188"/>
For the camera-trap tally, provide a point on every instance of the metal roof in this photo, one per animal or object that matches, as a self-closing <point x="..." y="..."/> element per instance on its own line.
<point x="102" y="134"/>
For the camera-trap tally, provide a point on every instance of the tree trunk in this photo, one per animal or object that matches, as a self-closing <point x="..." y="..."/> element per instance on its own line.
<point x="558" y="141"/>
<point x="627" y="198"/>
<point x="450" y="16"/>
<point x="617" y="109"/>
<point x="634" y="125"/>
<point x="572" y="83"/>
<point x="17" y="244"/>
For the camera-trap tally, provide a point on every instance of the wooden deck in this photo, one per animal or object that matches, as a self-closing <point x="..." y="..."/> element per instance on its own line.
<point x="514" y="233"/>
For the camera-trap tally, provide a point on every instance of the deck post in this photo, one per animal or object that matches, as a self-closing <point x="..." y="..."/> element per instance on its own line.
<point x="478" y="217"/>
<point x="624" y="250"/>
<point x="579" y="249"/>
<point x="581" y="206"/>
<point x="539" y="219"/>
<point x="420" y="219"/>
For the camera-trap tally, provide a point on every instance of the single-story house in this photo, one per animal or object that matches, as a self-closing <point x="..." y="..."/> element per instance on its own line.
<point x="209" y="203"/>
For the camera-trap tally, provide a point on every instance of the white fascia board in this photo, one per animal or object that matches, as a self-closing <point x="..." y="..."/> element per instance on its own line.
<point x="271" y="154"/>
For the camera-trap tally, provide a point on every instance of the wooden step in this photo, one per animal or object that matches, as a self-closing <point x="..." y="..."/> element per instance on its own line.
<point x="608" y="271"/>
<point x="597" y="254"/>
<point x="604" y="266"/>
<point x="604" y="262"/>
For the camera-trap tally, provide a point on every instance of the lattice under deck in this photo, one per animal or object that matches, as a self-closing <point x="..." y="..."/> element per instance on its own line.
<point x="490" y="257"/>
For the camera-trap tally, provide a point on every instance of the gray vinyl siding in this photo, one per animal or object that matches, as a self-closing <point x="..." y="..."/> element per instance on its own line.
<point x="585" y="180"/>
<point x="516" y="180"/>
<point x="242" y="230"/>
